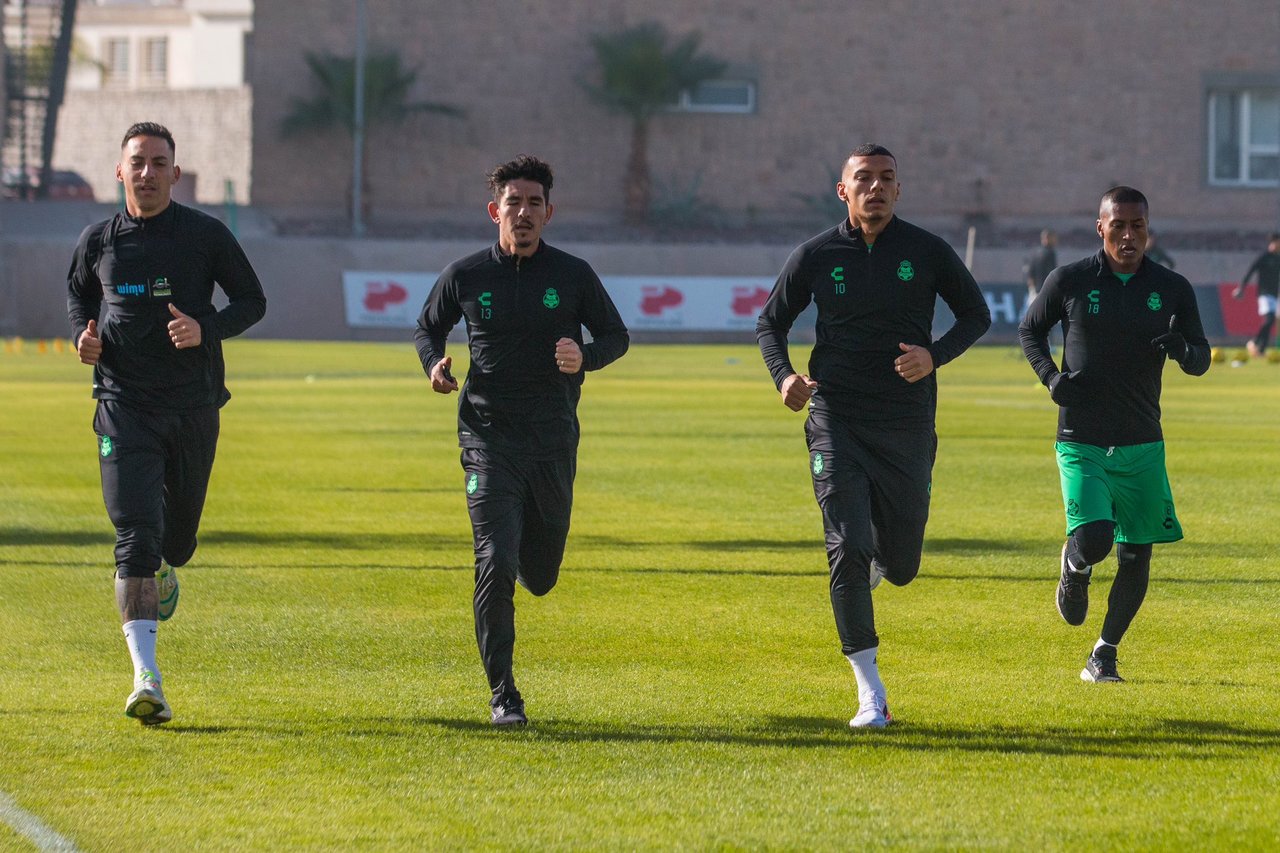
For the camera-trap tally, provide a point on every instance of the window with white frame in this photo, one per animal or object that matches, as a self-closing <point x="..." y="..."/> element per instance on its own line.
<point x="115" y="62"/>
<point x="718" y="96"/>
<point x="1244" y="137"/>
<point x="155" y="61"/>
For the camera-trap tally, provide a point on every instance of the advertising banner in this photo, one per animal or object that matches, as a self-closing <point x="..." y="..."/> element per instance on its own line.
<point x="681" y="304"/>
<point x="385" y="300"/>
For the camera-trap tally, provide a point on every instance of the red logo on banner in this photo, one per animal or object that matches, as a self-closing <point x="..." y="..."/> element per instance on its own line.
<point x="749" y="300"/>
<point x="379" y="294"/>
<point x="1239" y="316"/>
<point x="659" y="299"/>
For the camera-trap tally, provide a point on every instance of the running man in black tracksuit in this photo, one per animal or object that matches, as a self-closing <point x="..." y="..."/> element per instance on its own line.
<point x="1267" y="268"/>
<point x="147" y="276"/>
<point x="525" y="304"/>
<point x="1122" y="315"/>
<point x="871" y="391"/>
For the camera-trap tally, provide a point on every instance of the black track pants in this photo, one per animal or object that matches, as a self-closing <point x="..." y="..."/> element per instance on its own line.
<point x="155" y="474"/>
<point x="520" y="520"/>
<point x="873" y="485"/>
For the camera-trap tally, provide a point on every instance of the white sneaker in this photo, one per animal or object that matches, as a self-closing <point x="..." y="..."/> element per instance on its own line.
<point x="873" y="713"/>
<point x="146" y="703"/>
<point x="877" y="573"/>
<point x="166" y="591"/>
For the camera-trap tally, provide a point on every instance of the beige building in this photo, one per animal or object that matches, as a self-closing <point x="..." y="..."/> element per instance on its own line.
<point x="1018" y="109"/>
<point x="179" y="62"/>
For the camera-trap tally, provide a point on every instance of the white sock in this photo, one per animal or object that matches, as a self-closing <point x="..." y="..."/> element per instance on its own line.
<point x="140" y="637"/>
<point x="1102" y="643"/>
<point x="866" y="672"/>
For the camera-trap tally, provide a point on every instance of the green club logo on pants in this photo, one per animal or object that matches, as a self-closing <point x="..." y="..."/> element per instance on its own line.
<point x="818" y="464"/>
<point x="473" y="483"/>
<point x="105" y="446"/>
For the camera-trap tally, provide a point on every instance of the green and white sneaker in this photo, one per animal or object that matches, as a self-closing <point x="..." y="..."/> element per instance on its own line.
<point x="146" y="703"/>
<point x="167" y="591"/>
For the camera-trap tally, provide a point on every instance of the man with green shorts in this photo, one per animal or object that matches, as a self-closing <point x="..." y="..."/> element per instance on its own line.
<point x="1122" y="315"/>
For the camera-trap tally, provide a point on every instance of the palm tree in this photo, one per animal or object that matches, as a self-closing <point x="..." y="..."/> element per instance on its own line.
<point x="386" y="98"/>
<point x="640" y="76"/>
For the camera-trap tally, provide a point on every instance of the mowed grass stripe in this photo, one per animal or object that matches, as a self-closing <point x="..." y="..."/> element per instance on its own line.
<point x="684" y="679"/>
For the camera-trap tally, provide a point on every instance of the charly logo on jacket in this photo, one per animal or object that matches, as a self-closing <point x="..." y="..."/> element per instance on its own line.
<point x="160" y="287"/>
<point x="551" y="299"/>
<point x="1153" y="302"/>
<point x="905" y="271"/>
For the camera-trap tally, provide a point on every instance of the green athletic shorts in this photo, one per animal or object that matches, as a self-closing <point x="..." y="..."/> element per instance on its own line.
<point x="1127" y="485"/>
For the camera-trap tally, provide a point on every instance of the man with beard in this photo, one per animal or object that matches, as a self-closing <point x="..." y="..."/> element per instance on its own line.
<point x="525" y="304"/>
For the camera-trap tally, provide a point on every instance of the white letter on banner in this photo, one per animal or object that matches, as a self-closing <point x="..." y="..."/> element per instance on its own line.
<point x="1006" y="306"/>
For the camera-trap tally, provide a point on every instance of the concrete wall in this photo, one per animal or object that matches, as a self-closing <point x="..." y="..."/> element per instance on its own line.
<point x="303" y="276"/>
<point x="1018" y="108"/>
<point x="211" y="127"/>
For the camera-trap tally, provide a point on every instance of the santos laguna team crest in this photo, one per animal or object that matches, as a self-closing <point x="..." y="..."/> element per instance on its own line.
<point x="1153" y="302"/>
<point x="473" y="483"/>
<point x="551" y="299"/>
<point x="905" y="271"/>
<point x="819" y="465"/>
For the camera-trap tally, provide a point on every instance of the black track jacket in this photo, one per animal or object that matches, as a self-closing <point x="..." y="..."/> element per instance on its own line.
<point x="1267" y="266"/>
<point x="1108" y="327"/>
<point x="515" y="399"/>
<point x="869" y="301"/>
<point x="137" y="266"/>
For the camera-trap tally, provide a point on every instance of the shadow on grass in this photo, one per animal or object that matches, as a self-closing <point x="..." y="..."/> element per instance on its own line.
<point x="952" y="546"/>
<point x="1186" y="739"/>
<point x="693" y="570"/>
<point x="386" y="490"/>
<point x="347" y="541"/>
<point x="17" y="536"/>
<point x="596" y="540"/>
<point x="975" y="547"/>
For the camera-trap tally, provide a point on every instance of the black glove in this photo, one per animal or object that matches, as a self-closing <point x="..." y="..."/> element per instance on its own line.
<point x="1064" y="389"/>
<point x="1172" y="343"/>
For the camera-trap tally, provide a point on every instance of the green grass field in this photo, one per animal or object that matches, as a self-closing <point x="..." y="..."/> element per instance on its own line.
<point x="684" y="679"/>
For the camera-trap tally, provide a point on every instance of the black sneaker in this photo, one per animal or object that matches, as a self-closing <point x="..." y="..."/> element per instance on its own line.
<point x="1073" y="591"/>
<point x="507" y="710"/>
<point x="1101" y="667"/>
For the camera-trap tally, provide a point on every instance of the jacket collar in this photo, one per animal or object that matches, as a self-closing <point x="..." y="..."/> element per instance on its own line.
<point x="1104" y="268"/>
<point x="162" y="221"/>
<point x="850" y="232"/>
<point x="502" y="257"/>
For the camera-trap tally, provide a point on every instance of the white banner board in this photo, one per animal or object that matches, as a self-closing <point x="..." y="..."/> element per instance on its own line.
<point x="385" y="300"/>
<point x="393" y="300"/>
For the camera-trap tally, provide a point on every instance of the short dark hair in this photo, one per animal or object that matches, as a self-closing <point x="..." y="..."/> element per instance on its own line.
<point x="1274" y="236"/>
<point x="149" y="128"/>
<point x="526" y="167"/>
<point x="1123" y="195"/>
<point x="871" y="149"/>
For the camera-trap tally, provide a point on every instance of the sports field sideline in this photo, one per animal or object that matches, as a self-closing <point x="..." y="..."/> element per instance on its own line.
<point x="684" y="679"/>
